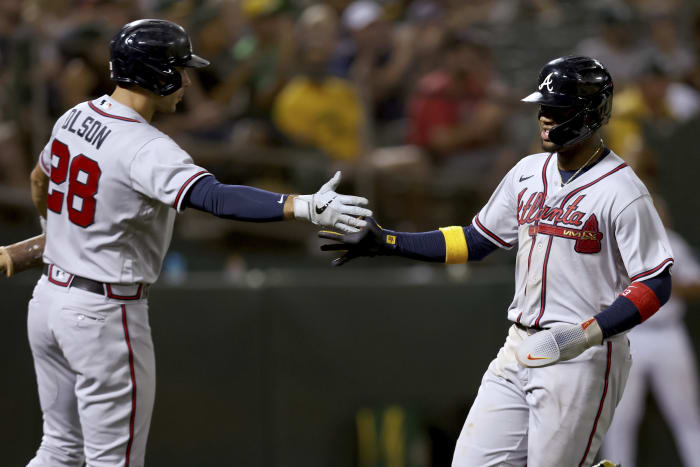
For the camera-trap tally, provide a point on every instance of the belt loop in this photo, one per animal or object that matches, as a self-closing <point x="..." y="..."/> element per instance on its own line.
<point x="136" y="296"/>
<point x="93" y="286"/>
<point x="529" y="329"/>
<point x="56" y="282"/>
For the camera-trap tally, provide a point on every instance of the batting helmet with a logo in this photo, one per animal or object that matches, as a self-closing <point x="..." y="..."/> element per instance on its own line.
<point x="148" y="51"/>
<point x="580" y="83"/>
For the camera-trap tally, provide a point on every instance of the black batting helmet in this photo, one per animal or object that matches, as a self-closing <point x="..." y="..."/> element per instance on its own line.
<point x="580" y="83"/>
<point x="146" y="53"/>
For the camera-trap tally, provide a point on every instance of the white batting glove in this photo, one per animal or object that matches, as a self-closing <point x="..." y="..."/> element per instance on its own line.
<point x="559" y="343"/>
<point x="331" y="210"/>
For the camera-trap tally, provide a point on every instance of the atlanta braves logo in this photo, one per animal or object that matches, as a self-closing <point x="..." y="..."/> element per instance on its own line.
<point x="548" y="81"/>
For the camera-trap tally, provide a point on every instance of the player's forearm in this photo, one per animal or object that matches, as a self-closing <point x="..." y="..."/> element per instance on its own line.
<point x="636" y="304"/>
<point x="452" y="245"/>
<point x="237" y="202"/>
<point x="22" y="256"/>
<point x="422" y="246"/>
<point x="39" y="187"/>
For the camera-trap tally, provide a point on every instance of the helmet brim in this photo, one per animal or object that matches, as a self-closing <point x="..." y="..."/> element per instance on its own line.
<point x="552" y="99"/>
<point x="196" y="61"/>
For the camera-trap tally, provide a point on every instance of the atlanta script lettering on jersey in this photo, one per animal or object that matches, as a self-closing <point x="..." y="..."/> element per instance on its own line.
<point x="588" y="237"/>
<point x="534" y="210"/>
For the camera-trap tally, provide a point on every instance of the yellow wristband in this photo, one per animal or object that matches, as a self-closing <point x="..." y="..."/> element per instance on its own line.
<point x="456" y="251"/>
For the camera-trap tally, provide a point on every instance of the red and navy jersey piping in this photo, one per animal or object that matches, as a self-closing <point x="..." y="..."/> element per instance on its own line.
<point x="581" y="188"/>
<point x="651" y="271"/>
<point x="544" y="199"/>
<point x="543" y="296"/>
<point x="46" y="169"/>
<point x="544" y="175"/>
<point x="185" y="185"/>
<point x="105" y="114"/>
<point x="491" y="234"/>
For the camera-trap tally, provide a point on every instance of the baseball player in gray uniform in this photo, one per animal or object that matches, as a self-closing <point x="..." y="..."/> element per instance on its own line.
<point x="110" y="185"/>
<point x="593" y="261"/>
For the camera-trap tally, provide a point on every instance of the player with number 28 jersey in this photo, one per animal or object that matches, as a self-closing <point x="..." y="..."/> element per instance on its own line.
<point x="120" y="182"/>
<point x="110" y="185"/>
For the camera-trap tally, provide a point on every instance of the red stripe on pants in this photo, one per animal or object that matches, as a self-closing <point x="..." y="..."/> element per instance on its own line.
<point x="133" y="385"/>
<point x="600" y="406"/>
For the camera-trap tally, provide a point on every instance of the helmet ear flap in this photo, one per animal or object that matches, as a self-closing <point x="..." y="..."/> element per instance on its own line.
<point x="164" y="79"/>
<point x="606" y="109"/>
<point x="599" y="110"/>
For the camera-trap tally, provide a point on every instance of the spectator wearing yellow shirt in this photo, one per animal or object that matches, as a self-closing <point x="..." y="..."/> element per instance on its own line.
<point x="316" y="109"/>
<point x="655" y="103"/>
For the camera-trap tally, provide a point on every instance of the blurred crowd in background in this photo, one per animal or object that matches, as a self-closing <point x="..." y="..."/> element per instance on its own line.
<point x="417" y="101"/>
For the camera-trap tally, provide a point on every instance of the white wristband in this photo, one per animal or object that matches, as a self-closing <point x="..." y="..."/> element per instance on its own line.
<point x="301" y="208"/>
<point x="593" y="332"/>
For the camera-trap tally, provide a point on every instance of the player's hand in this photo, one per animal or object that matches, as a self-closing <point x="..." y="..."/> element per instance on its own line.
<point x="559" y="343"/>
<point x="372" y="240"/>
<point x="332" y="210"/>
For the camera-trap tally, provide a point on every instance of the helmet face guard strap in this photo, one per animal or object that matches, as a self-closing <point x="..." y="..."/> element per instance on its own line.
<point x="571" y="131"/>
<point x="575" y="130"/>
<point x="575" y="82"/>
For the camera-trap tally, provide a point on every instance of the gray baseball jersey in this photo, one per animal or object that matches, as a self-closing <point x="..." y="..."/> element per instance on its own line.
<point x="115" y="185"/>
<point x="579" y="244"/>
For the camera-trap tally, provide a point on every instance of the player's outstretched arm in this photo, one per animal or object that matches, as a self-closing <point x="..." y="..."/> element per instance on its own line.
<point x="245" y="203"/>
<point x="329" y="209"/>
<point x="451" y="245"/>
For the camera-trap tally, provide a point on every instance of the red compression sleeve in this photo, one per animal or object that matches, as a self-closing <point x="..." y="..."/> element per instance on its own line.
<point x="644" y="299"/>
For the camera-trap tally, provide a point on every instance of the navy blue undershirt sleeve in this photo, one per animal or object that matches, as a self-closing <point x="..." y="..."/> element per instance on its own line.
<point x="239" y="202"/>
<point x="430" y="246"/>
<point x="479" y="246"/>
<point x="423" y="246"/>
<point x="623" y="315"/>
